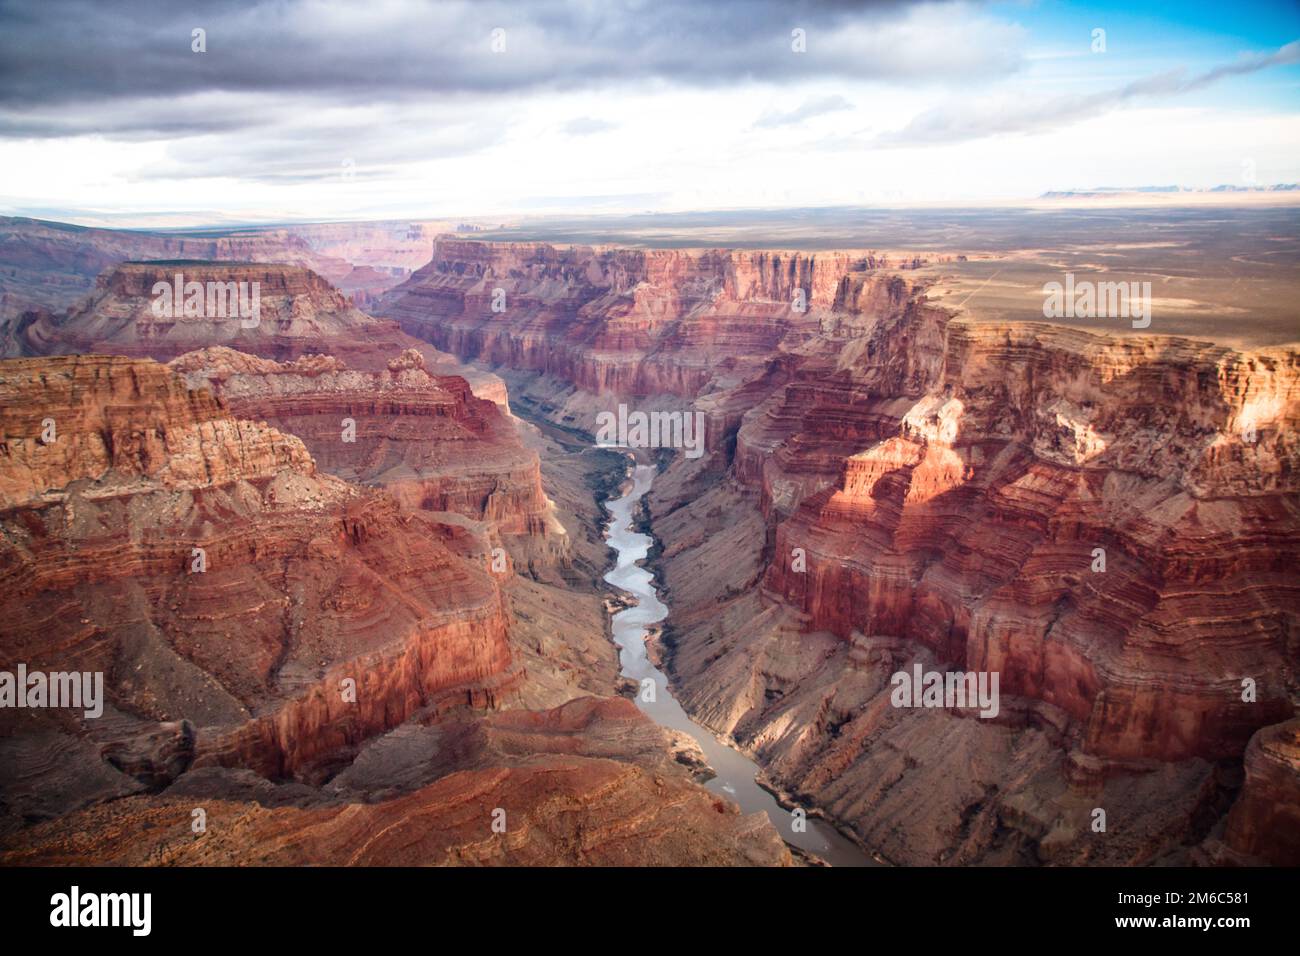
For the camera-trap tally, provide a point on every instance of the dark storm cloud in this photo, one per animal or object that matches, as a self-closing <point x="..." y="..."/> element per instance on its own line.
<point x="84" y="53"/>
<point x="288" y="90"/>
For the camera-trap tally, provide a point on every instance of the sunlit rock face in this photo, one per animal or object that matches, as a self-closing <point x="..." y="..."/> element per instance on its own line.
<point x="1088" y="517"/>
<point x="1110" y="525"/>
<point x="156" y="310"/>
<point x="207" y="567"/>
<point x="621" y="321"/>
<point x="424" y="437"/>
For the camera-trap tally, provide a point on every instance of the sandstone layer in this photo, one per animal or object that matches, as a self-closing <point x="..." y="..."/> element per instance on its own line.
<point x="298" y="313"/>
<point x="142" y="309"/>
<point x="622" y="321"/>
<point x="53" y="265"/>
<point x="1264" y="825"/>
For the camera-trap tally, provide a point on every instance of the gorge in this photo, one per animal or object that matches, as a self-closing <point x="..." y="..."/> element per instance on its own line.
<point x="735" y="776"/>
<point x="406" y="497"/>
<point x="887" y="483"/>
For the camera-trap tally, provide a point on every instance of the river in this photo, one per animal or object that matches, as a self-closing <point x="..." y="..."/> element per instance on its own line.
<point x="735" y="771"/>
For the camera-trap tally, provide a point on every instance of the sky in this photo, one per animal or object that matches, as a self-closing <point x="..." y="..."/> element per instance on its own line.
<point x="305" y="110"/>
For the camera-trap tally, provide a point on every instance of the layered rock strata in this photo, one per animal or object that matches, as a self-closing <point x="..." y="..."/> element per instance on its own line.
<point x="136" y="309"/>
<point x="304" y="662"/>
<point x="211" y="573"/>
<point x="1110" y="525"/>
<point x="628" y="322"/>
<point x="1264" y="825"/>
<point x="53" y="265"/>
<point x="424" y="437"/>
<point x="280" y="312"/>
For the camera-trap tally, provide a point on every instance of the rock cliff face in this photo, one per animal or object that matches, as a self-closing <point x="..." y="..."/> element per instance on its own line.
<point x="1111" y="525"/>
<point x="52" y="265"/>
<point x="307" y="662"/>
<point x="621" y="321"/>
<point x="1264" y="826"/>
<point x="213" y="574"/>
<point x="423" y="437"/>
<point x="967" y="520"/>
<point x="142" y="309"/>
<point x="134" y="311"/>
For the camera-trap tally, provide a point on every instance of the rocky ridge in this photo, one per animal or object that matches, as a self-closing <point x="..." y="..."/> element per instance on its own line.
<point x="424" y="437"/>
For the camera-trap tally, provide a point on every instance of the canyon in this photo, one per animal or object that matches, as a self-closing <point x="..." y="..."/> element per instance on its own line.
<point x="400" y="625"/>
<point x="272" y="611"/>
<point x="887" y="484"/>
<point x="329" y="648"/>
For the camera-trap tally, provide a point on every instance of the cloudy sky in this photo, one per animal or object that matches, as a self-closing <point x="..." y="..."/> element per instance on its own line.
<point x="309" y="110"/>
